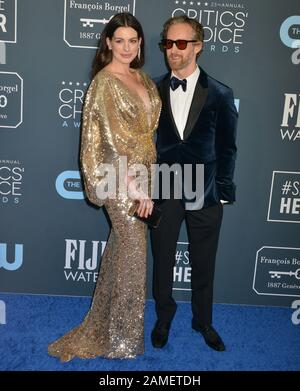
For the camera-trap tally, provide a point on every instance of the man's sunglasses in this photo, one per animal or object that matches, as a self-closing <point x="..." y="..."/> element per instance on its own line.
<point x="180" y="43"/>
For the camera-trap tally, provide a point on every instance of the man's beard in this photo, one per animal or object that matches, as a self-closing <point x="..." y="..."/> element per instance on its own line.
<point x="178" y="64"/>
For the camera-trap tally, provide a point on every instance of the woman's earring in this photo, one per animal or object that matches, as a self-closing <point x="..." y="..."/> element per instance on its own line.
<point x="139" y="53"/>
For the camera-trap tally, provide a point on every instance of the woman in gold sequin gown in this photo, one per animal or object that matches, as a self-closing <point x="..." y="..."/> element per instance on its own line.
<point x="120" y="115"/>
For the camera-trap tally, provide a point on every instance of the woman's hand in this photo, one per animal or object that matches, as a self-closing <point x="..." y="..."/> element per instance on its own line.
<point x="145" y="206"/>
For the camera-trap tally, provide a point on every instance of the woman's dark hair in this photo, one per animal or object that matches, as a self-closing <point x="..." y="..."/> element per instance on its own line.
<point x="104" y="55"/>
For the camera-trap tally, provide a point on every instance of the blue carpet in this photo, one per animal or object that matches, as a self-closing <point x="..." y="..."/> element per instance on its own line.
<point x="256" y="338"/>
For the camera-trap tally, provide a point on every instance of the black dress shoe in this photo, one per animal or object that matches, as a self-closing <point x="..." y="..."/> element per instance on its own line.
<point x="160" y="334"/>
<point x="211" y="337"/>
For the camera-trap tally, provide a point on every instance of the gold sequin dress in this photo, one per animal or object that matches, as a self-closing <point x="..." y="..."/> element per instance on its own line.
<point x="116" y="122"/>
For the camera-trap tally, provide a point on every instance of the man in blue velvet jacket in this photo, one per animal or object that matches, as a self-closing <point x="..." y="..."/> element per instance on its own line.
<point x="197" y="126"/>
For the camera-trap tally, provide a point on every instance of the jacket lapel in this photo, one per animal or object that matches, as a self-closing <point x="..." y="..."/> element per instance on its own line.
<point x="165" y="95"/>
<point x="198" y="101"/>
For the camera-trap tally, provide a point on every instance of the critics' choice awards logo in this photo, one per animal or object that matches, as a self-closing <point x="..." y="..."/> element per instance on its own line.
<point x="68" y="185"/>
<point x="284" y="203"/>
<point x="11" y="181"/>
<point x="8" y="21"/>
<point x="224" y="23"/>
<point x="182" y="268"/>
<point x="71" y="97"/>
<point x="277" y="271"/>
<point x="290" y="125"/>
<point x="82" y="260"/>
<point x="290" y="36"/>
<point x="10" y="259"/>
<point x="85" y="20"/>
<point x="11" y="100"/>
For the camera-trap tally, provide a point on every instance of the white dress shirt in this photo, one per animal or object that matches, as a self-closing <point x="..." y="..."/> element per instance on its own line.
<point x="181" y="100"/>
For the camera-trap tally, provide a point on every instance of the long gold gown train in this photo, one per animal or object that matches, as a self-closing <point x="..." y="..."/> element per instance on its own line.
<point x="116" y="123"/>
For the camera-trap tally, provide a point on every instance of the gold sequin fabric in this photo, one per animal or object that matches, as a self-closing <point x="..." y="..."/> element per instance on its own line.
<point x="116" y="122"/>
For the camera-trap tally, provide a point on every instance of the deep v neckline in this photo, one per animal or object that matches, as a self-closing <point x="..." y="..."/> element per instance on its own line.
<point x="133" y="92"/>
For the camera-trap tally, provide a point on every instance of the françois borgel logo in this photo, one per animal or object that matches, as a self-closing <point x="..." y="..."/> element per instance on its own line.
<point x="290" y="125"/>
<point x="224" y="23"/>
<point x="11" y="181"/>
<point x="8" y="21"/>
<point x="71" y="96"/>
<point x="82" y="260"/>
<point x="284" y="203"/>
<point x="11" y="100"/>
<point x="277" y="271"/>
<point x="85" y="20"/>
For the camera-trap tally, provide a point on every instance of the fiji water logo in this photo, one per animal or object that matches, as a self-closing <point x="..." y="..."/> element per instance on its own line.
<point x="10" y="264"/>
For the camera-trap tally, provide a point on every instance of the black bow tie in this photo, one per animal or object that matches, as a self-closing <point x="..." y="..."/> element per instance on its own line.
<point x="175" y="83"/>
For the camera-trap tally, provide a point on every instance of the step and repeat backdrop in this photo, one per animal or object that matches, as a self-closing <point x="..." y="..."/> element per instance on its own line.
<point x="51" y="239"/>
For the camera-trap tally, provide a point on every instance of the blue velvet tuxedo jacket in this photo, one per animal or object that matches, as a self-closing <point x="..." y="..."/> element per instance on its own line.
<point x="209" y="136"/>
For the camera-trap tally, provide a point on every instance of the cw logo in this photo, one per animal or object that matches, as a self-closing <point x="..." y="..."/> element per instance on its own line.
<point x="289" y="25"/>
<point x="2" y="312"/>
<point x="289" y="35"/>
<point x="296" y="313"/>
<point x="68" y="185"/>
<point x="17" y="263"/>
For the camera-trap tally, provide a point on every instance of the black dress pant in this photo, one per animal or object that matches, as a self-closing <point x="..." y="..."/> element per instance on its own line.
<point x="203" y="228"/>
